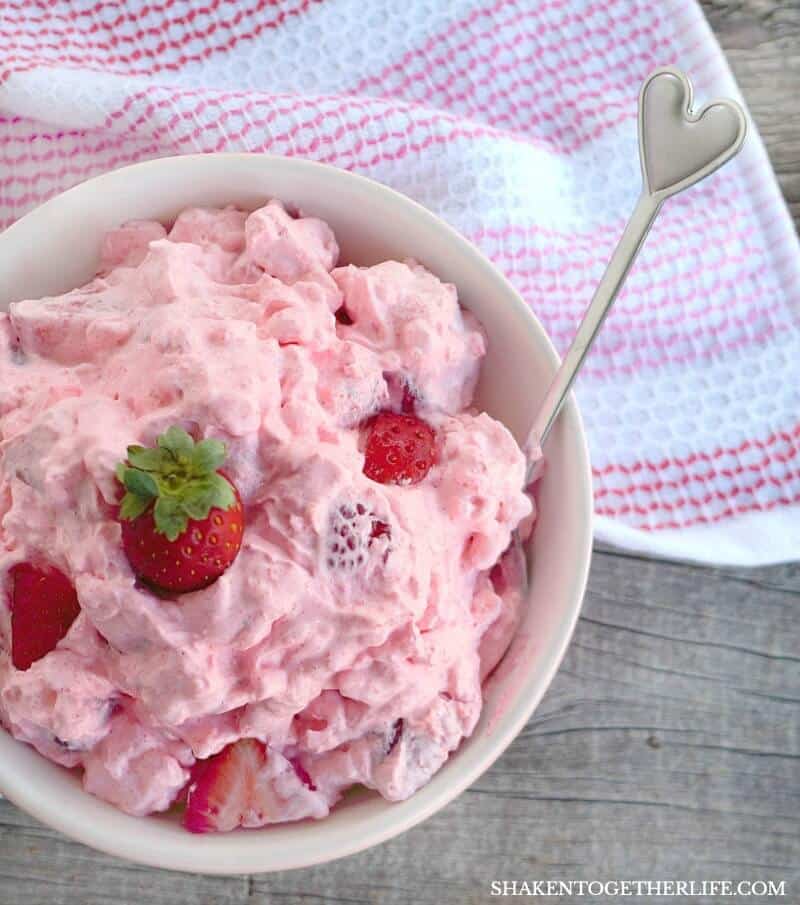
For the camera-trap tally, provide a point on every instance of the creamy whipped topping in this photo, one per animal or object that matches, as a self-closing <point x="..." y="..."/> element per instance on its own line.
<point x="362" y="668"/>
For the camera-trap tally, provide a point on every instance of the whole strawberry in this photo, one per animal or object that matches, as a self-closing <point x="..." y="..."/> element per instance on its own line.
<point x="182" y="519"/>
<point x="400" y="449"/>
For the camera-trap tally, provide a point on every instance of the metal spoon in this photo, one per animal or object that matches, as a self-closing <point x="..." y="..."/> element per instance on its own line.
<point x="677" y="148"/>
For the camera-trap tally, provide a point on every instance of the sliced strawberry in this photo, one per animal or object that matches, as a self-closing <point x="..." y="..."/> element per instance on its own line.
<point x="394" y="737"/>
<point x="352" y="534"/>
<point x="408" y="401"/>
<point x="400" y="449"/>
<point x="222" y="788"/>
<point x="402" y="395"/>
<point x="302" y="774"/>
<point x="182" y="518"/>
<point x="44" y="605"/>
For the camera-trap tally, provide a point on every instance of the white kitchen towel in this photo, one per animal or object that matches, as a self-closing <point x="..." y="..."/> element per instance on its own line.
<point x="516" y="122"/>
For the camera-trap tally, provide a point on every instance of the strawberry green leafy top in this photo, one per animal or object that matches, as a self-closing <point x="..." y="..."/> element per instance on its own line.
<point x="178" y="477"/>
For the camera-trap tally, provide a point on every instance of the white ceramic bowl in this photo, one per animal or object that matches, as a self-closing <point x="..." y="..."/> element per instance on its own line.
<point x="55" y="248"/>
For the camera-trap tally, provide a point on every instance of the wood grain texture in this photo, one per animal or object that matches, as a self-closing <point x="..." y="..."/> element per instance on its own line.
<point x="668" y="745"/>
<point x="761" y="39"/>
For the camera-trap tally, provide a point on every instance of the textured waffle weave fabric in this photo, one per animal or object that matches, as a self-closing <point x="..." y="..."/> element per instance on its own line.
<point x="516" y="122"/>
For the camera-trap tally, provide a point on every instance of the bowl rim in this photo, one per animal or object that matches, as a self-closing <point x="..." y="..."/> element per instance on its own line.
<point x="403" y="815"/>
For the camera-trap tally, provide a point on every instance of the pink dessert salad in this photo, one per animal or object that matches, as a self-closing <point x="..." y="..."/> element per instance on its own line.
<point x="253" y="533"/>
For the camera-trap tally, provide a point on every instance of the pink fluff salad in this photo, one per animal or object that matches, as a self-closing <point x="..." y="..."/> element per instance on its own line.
<point x="349" y="673"/>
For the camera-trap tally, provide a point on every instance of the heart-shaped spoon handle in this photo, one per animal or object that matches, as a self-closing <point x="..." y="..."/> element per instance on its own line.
<point x="677" y="148"/>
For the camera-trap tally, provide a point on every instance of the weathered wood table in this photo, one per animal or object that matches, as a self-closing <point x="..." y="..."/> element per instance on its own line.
<point x="667" y="747"/>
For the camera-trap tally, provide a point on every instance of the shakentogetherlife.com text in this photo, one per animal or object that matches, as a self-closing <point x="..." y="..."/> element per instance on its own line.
<point x="604" y="888"/>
